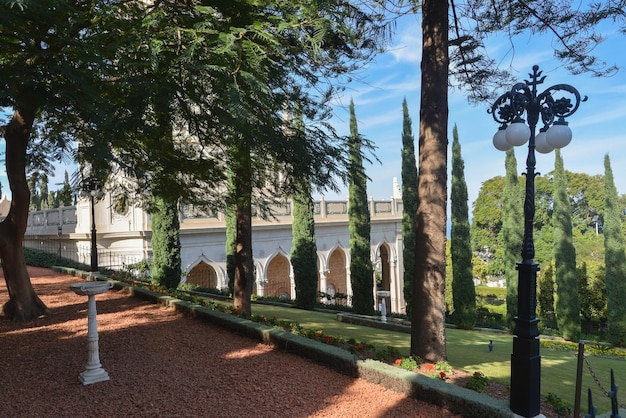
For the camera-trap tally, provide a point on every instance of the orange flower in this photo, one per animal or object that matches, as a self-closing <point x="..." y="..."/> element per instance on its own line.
<point x="429" y="366"/>
<point x="398" y="362"/>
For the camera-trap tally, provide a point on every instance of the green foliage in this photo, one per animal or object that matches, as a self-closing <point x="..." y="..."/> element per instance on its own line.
<point x="443" y="366"/>
<point x="166" y="262"/>
<point x="559" y="405"/>
<point x="512" y="232"/>
<point x="361" y="270"/>
<point x="304" y="248"/>
<point x="40" y="258"/>
<point x="410" y="363"/>
<point x="615" y="260"/>
<point x="409" y="205"/>
<point x="545" y="295"/>
<point x="231" y="235"/>
<point x="567" y="302"/>
<point x="585" y="194"/>
<point x="478" y="382"/>
<point x="592" y="291"/>
<point x="480" y="268"/>
<point x="463" y="292"/>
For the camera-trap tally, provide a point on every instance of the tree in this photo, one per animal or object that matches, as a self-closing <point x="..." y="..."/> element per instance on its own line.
<point x="487" y="220"/>
<point x="65" y="194"/>
<point x="567" y="302"/>
<point x="361" y="270"/>
<point x="241" y="198"/>
<point x="304" y="248"/>
<point x="43" y="193"/>
<point x="545" y="295"/>
<point x="231" y="236"/>
<point x="166" y="262"/>
<point x="48" y="70"/>
<point x="96" y="72"/>
<point x="512" y="233"/>
<point x="614" y="259"/>
<point x="428" y="337"/>
<point x="463" y="291"/>
<point x="409" y="205"/>
<point x="592" y="292"/>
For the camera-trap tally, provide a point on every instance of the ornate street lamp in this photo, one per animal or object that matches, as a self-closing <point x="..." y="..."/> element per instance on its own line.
<point x="91" y="189"/>
<point x="553" y="107"/>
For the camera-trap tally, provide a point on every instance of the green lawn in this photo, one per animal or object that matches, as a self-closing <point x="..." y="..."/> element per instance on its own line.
<point x="468" y="350"/>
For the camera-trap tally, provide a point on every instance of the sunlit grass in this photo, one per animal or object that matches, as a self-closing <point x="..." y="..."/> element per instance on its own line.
<point x="468" y="350"/>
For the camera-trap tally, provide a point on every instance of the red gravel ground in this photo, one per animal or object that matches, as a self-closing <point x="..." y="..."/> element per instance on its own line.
<point x="162" y="364"/>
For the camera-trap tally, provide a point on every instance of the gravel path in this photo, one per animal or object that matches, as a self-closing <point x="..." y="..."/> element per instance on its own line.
<point x="162" y="364"/>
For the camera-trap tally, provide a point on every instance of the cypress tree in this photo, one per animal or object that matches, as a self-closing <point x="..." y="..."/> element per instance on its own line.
<point x="567" y="307"/>
<point x="614" y="259"/>
<point x="409" y="205"/>
<point x="545" y="296"/>
<point x="361" y="271"/>
<point x="463" y="291"/>
<point x="304" y="247"/>
<point x="512" y="232"/>
<point x="166" y="262"/>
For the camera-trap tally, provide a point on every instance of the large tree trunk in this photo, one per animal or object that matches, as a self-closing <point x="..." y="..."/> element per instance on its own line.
<point x="244" y="272"/>
<point x="24" y="304"/>
<point x="428" y="338"/>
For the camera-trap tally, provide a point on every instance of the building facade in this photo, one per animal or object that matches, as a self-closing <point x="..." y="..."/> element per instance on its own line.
<point x="124" y="239"/>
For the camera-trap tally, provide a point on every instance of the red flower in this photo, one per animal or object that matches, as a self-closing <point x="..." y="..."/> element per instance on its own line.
<point x="442" y="375"/>
<point x="398" y="362"/>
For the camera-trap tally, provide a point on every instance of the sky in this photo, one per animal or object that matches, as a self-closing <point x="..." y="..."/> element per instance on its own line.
<point x="379" y="89"/>
<point x="597" y="125"/>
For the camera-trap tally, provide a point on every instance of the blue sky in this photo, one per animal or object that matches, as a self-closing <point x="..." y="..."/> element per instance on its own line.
<point x="597" y="126"/>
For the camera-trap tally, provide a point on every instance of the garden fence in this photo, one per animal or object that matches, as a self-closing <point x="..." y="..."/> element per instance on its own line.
<point x="63" y="248"/>
<point x="612" y="393"/>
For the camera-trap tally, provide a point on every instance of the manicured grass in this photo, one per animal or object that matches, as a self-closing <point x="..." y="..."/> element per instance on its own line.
<point x="468" y="350"/>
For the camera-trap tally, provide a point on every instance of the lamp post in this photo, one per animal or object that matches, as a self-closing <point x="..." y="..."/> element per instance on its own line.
<point x="553" y="107"/>
<point x="91" y="190"/>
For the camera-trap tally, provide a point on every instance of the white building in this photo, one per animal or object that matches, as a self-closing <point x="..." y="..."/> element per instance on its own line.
<point x="125" y="239"/>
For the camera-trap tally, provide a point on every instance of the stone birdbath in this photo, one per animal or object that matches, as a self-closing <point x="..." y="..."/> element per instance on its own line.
<point x="383" y="295"/>
<point x="94" y="372"/>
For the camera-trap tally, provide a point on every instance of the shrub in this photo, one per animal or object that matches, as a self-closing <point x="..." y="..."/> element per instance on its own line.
<point x="478" y="382"/>
<point x="409" y="363"/>
<point x="560" y="407"/>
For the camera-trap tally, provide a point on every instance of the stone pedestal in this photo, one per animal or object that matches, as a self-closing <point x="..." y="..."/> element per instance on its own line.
<point x="93" y="372"/>
<point x="383" y="295"/>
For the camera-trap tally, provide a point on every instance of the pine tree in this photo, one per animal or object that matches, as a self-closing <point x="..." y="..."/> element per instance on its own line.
<point x="614" y="259"/>
<point x="361" y="271"/>
<point x="409" y="205"/>
<point x="567" y="302"/>
<point x="463" y="291"/>
<point x="512" y="232"/>
<point x="428" y="332"/>
<point x="304" y="248"/>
